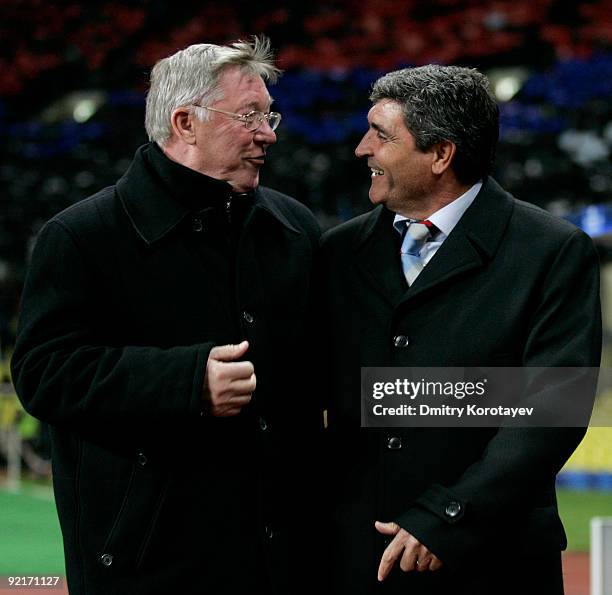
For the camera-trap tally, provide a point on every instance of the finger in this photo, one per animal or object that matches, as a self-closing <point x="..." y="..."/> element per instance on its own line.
<point x="435" y="564"/>
<point x="236" y="370"/>
<point x="228" y="353"/>
<point x="410" y="560"/>
<point x="230" y="400"/>
<point x="227" y="412"/>
<point x="423" y="557"/>
<point x="241" y="385"/>
<point x="390" y="555"/>
<point x="221" y="405"/>
<point x="239" y="400"/>
<point x="387" y="528"/>
<point x="422" y="563"/>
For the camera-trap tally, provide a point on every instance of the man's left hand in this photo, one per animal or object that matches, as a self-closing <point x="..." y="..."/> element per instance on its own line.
<point x="414" y="555"/>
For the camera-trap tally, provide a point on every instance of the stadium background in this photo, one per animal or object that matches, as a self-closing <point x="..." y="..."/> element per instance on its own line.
<point x="71" y="115"/>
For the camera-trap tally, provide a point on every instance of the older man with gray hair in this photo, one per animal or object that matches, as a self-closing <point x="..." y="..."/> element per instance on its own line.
<point x="151" y="312"/>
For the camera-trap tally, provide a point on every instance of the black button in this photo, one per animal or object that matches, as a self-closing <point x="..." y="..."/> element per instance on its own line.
<point x="401" y="341"/>
<point x="452" y="509"/>
<point x="269" y="532"/>
<point x="142" y="459"/>
<point x="197" y="225"/>
<point x="106" y="559"/>
<point x="394" y="443"/>
<point x="247" y="317"/>
<point x="263" y="424"/>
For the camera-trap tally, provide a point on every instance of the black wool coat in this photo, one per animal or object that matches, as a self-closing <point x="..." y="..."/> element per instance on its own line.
<point x="511" y="286"/>
<point x="126" y="294"/>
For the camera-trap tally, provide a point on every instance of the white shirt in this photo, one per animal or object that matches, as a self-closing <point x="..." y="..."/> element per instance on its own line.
<point x="444" y="219"/>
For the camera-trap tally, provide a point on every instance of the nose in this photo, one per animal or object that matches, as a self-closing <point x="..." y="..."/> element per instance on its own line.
<point x="363" y="148"/>
<point x="264" y="134"/>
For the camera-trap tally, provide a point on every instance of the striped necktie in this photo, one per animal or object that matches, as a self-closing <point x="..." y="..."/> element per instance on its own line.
<point x="416" y="235"/>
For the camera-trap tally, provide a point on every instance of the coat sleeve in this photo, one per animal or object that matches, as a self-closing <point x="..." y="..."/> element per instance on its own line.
<point x="65" y="371"/>
<point x="458" y="521"/>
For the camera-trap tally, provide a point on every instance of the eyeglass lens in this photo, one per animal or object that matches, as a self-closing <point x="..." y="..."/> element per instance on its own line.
<point x="256" y="119"/>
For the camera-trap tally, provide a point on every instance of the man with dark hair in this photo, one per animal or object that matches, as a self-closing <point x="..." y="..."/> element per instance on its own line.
<point x="448" y="270"/>
<point x="151" y="312"/>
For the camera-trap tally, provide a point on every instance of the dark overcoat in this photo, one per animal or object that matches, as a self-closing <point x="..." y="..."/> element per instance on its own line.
<point x="511" y="286"/>
<point x="126" y="294"/>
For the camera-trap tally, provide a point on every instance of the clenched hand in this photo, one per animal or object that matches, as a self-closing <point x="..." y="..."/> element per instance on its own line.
<point x="228" y="384"/>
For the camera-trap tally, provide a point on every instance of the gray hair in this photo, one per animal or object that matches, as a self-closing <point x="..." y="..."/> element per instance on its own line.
<point x="192" y="76"/>
<point x="447" y="103"/>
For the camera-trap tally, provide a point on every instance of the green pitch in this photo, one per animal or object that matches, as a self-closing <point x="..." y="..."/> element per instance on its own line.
<point x="30" y="538"/>
<point x="576" y="508"/>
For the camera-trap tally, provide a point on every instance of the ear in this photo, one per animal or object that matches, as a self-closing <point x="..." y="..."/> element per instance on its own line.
<point x="443" y="153"/>
<point x="183" y="124"/>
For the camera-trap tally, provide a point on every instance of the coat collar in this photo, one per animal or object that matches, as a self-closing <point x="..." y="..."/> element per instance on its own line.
<point x="155" y="207"/>
<point x="265" y="203"/>
<point x="472" y="243"/>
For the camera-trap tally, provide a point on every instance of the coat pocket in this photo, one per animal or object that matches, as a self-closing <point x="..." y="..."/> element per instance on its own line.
<point x="126" y="544"/>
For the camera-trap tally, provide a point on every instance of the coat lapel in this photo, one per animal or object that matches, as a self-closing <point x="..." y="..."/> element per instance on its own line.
<point x="456" y="256"/>
<point x="265" y="220"/>
<point x="377" y="255"/>
<point x="473" y="241"/>
<point x="471" y="244"/>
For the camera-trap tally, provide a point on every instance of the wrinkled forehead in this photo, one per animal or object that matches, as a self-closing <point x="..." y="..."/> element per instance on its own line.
<point x="386" y="112"/>
<point x="244" y="87"/>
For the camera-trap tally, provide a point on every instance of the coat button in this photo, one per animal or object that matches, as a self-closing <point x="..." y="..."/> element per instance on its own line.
<point x="247" y="317"/>
<point x="452" y="509"/>
<point x="394" y="443"/>
<point x="401" y="341"/>
<point x="269" y="532"/>
<point x="263" y="424"/>
<point x="197" y="224"/>
<point x="106" y="559"/>
<point x="142" y="459"/>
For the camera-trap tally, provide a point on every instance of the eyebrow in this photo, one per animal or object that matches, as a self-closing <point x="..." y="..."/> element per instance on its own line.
<point x="253" y="106"/>
<point x="378" y="128"/>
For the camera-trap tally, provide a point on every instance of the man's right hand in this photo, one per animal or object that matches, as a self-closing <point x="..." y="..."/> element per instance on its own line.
<point x="228" y="384"/>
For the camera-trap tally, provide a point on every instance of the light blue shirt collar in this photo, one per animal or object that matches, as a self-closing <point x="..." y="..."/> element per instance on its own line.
<point x="448" y="216"/>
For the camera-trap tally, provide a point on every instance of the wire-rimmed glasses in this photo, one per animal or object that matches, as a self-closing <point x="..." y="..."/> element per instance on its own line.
<point x="252" y="120"/>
